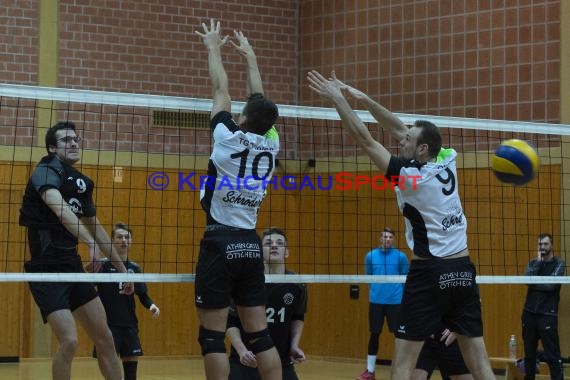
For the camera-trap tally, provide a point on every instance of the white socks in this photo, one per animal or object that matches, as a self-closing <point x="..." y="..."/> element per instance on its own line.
<point x="371" y="363"/>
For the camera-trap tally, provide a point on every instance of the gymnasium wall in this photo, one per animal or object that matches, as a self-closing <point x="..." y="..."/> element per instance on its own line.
<point x="330" y="233"/>
<point x="483" y="59"/>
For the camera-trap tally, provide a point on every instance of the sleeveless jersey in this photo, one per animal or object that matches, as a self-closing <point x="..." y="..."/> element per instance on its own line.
<point x="429" y="199"/>
<point x="240" y="166"/>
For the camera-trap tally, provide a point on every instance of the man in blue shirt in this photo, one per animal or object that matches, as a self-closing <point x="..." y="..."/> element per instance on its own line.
<point x="385" y="299"/>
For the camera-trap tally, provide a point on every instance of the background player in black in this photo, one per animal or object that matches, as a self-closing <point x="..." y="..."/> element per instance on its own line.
<point x="58" y="211"/>
<point x="120" y="308"/>
<point x="540" y="313"/>
<point x="441" y="350"/>
<point x="286" y="307"/>
<point x="230" y="263"/>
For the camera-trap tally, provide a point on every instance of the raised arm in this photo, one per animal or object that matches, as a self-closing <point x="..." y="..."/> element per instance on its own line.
<point x="331" y="89"/>
<point x="254" y="84"/>
<point x="387" y="120"/>
<point x="218" y="75"/>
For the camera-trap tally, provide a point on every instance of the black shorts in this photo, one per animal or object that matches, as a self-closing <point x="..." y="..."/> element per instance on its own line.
<point x="448" y="359"/>
<point x="127" y="342"/>
<point x="377" y="313"/>
<point x="440" y="291"/>
<point x="239" y="371"/>
<point x="53" y="296"/>
<point x="230" y="266"/>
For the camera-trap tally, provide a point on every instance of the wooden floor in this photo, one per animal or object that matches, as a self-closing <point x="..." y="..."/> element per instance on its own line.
<point x="183" y="368"/>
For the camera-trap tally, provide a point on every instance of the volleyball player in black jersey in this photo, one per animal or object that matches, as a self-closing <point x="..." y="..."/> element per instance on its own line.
<point x="230" y="264"/>
<point x="285" y="309"/>
<point x="58" y="211"/>
<point x="120" y="308"/>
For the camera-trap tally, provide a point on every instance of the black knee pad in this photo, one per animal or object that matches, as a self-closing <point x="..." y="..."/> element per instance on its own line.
<point x="211" y="341"/>
<point x="258" y="341"/>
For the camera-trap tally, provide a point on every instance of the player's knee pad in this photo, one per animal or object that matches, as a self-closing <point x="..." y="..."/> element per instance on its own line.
<point x="211" y="341"/>
<point x="258" y="341"/>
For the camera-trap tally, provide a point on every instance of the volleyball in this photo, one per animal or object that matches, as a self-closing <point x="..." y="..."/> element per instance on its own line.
<point x="515" y="162"/>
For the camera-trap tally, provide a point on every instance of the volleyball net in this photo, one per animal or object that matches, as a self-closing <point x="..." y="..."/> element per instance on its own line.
<point x="148" y="157"/>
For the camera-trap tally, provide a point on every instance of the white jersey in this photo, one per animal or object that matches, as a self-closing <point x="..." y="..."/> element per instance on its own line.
<point x="240" y="165"/>
<point x="435" y="223"/>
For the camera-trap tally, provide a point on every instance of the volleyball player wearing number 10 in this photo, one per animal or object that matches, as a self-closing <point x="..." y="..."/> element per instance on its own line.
<point x="440" y="286"/>
<point x="230" y="264"/>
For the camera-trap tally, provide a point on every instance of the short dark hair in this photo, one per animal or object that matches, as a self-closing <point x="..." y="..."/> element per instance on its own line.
<point x="274" y="230"/>
<point x="389" y="230"/>
<point x="429" y="135"/>
<point x="543" y="235"/>
<point x="51" y="140"/>
<point x="261" y="113"/>
<point x="121" y="226"/>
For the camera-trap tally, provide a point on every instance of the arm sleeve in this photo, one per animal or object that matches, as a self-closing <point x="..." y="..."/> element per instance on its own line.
<point x="223" y="117"/>
<point x="404" y="265"/>
<point x="559" y="270"/>
<point x="146" y="301"/>
<point x="141" y="289"/>
<point x="368" y="263"/>
<point x="89" y="208"/>
<point x="532" y="270"/>
<point x="44" y="178"/>
<point x="299" y="313"/>
<point x="394" y="166"/>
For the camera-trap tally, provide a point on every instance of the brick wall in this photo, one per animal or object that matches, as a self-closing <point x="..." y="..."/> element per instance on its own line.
<point x="151" y="46"/>
<point x="19" y="42"/>
<point x="482" y="59"/>
<point x="18" y="64"/>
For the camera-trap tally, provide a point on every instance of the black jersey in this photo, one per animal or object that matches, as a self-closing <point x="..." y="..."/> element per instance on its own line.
<point x="75" y="188"/>
<point x="120" y="308"/>
<point x="285" y="303"/>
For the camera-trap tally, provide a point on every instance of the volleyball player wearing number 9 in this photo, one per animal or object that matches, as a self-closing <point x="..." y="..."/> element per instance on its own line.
<point x="440" y="286"/>
<point x="230" y="264"/>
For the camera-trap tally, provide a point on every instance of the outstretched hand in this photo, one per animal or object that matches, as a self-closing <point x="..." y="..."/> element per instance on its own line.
<point x="244" y="48"/>
<point x="356" y="94"/>
<point x="211" y="36"/>
<point x="328" y="88"/>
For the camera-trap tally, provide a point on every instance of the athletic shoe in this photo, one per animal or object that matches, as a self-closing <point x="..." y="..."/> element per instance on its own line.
<point x="366" y="376"/>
